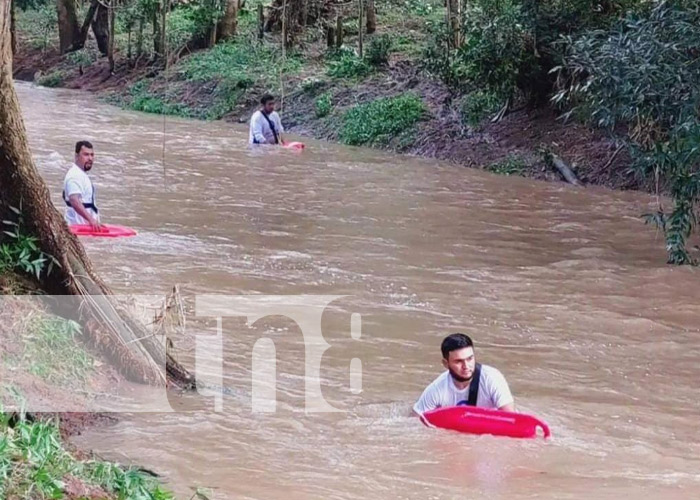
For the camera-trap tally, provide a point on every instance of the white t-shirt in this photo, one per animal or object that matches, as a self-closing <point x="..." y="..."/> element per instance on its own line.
<point x="78" y="182"/>
<point x="493" y="392"/>
<point x="260" y="131"/>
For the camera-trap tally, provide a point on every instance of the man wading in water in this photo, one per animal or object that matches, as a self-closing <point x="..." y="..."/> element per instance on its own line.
<point x="265" y="124"/>
<point x="465" y="382"/>
<point x="78" y="190"/>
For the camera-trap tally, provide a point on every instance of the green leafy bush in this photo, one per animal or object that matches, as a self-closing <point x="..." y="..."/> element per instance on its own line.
<point x="419" y="7"/>
<point x="182" y="27"/>
<point x="512" y="165"/>
<point x="312" y="84"/>
<point x="20" y="251"/>
<point x="479" y="105"/>
<point x="38" y="24"/>
<point x="492" y="55"/>
<point x="83" y="57"/>
<point x="348" y="65"/>
<point x="35" y="464"/>
<point x="378" y="50"/>
<point x="641" y="77"/>
<point x="378" y="121"/>
<point x="53" y="79"/>
<point x="323" y="105"/>
<point x="143" y="100"/>
<point x="240" y="64"/>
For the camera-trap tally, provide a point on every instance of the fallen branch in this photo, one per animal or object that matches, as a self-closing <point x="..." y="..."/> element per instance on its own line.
<point x="564" y="170"/>
<point x="612" y="158"/>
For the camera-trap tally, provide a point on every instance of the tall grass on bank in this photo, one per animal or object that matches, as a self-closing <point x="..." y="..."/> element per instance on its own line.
<point x="35" y="464"/>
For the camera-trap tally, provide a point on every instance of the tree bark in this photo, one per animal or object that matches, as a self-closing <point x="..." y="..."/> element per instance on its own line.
<point x="338" y="31"/>
<point x="304" y="14"/>
<point x="261" y="22"/>
<point x="330" y="36"/>
<point x="68" y="29"/>
<point x="229" y="21"/>
<point x="453" y="21"/>
<point x="361" y="18"/>
<point x="292" y="12"/>
<point x="158" y="48"/>
<point x="100" y="27"/>
<point x="371" y="17"/>
<point x="565" y="170"/>
<point x="141" y="357"/>
<point x="139" y="37"/>
<point x="13" y="30"/>
<point x="79" y="43"/>
<point x="164" y="8"/>
<point x="110" y="39"/>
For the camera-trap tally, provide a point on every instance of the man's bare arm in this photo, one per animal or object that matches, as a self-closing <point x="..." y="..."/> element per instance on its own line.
<point x="77" y="204"/>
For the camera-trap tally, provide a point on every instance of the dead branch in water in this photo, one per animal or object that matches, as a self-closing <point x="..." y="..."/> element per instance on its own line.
<point x="564" y="170"/>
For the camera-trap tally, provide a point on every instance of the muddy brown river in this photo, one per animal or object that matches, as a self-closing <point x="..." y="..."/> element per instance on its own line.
<point x="564" y="290"/>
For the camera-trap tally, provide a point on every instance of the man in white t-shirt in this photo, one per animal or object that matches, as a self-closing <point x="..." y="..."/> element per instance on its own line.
<point x="265" y="124"/>
<point x="465" y="382"/>
<point x="78" y="190"/>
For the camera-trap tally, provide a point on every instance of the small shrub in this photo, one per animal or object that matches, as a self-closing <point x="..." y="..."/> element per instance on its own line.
<point x="419" y="7"/>
<point x="228" y="95"/>
<point x="323" y="105"/>
<point x="312" y="84"/>
<point x="83" y="57"/>
<point x="38" y="24"/>
<point x="378" y="50"/>
<point x="20" y="251"/>
<point x="512" y="165"/>
<point x="34" y="463"/>
<point x="181" y="27"/>
<point x="53" y="353"/>
<point x="53" y="79"/>
<point x="349" y="66"/>
<point x="477" y="106"/>
<point x="378" y="121"/>
<point x="143" y="100"/>
<point x="494" y="53"/>
<point x="238" y="61"/>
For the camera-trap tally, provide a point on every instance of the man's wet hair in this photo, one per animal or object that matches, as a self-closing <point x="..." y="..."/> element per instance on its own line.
<point x="454" y="342"/>
<point x="79" y="145"/>
<point x="266" y="98"/>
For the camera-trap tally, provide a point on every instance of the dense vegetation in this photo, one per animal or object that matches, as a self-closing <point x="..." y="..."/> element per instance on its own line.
<point x="628" y="67"/>
<point x="35" y="464"/>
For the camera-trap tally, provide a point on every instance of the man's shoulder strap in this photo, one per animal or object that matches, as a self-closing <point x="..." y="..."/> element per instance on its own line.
<point x="474" y="386"/>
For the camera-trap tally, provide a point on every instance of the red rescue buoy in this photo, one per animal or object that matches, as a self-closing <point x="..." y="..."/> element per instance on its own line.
<point x="294" y="145"/>
<point x="475" y="420"/>
<point x="107" y="231"/>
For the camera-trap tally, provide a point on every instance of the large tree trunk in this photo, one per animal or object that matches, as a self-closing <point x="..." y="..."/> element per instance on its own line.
<point x="293" y="11"/>
<point x="79" y="43"/>
<point x="158" y="47"/>
<point x="13" y="30"/>
<point x="360" y="31"/>
<point x="100" y="27"/>
<point x="453" y="21"/>
<point x="68" y="29"/>
<point x="110" y="39"/>
<point x="229" y="21"/>
<point x="371" y="17"/>
<point x="139" y="37"/>
<point x="141" y="357"/>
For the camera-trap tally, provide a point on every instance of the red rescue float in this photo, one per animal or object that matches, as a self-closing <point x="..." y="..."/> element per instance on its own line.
<point x="293" y="145"/>
<point x="475" y="420"/>
<point x="107" y="231"/>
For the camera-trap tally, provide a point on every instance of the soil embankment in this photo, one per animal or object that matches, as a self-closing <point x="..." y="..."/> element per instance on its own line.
<point x="515" y="145"/>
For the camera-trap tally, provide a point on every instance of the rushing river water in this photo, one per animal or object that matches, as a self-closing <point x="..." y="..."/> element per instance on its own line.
<point x="563" y="289"/>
